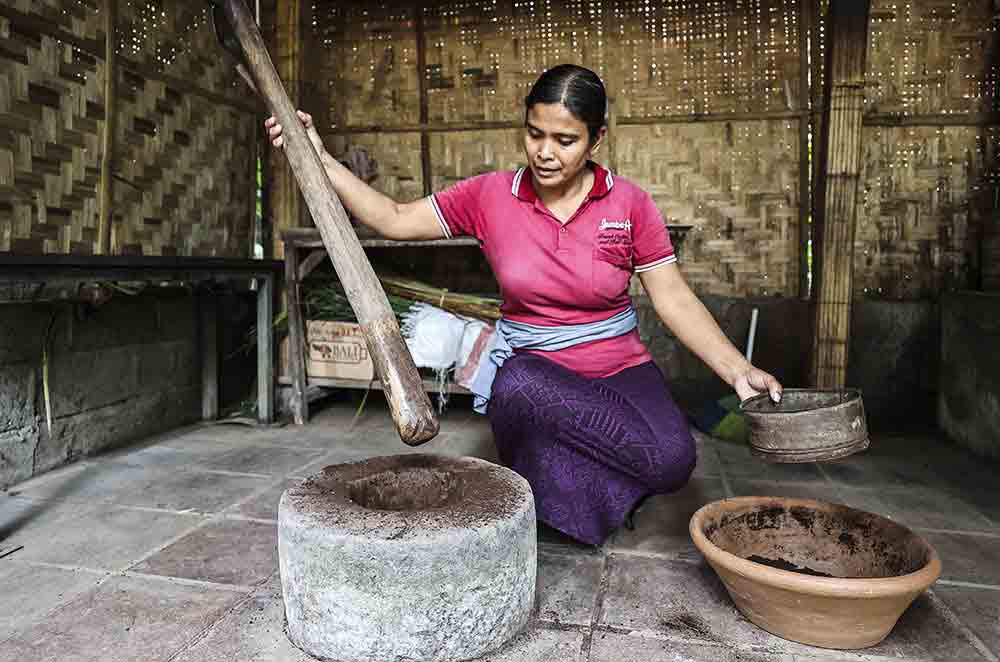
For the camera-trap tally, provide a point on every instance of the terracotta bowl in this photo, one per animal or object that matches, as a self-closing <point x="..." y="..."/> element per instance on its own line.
<point x="814" y="572"/>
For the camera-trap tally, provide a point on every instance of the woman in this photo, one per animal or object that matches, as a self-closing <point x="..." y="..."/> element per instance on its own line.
<point x="577" y="406"/>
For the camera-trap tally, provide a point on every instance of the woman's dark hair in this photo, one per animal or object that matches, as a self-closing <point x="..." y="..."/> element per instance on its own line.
<point x="577" y="88"/>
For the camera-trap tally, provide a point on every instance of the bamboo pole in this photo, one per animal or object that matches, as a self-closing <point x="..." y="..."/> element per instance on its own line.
<point x="805" y="131"/>
<point x="425" y="139"/>
<point x="286" y="200"/>
<point x="106" y="193"/>
<point x="847" y="39"/>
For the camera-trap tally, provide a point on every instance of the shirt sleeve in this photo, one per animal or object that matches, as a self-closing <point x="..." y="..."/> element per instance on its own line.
<point x="459" y="209"/>
<point x="651" y="245"/>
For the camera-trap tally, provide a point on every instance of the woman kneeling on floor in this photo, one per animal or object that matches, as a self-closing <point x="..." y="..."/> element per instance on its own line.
<point x="576" y="404"/>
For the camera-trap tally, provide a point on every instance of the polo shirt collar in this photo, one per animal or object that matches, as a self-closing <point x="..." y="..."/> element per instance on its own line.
<point x="523" y="189"/>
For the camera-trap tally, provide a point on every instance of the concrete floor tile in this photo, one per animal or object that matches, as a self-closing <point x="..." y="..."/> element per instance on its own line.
<point x="933" y="508"/>
<point x="30" y="592"/>
<point x="97" y="536"/>
<point x="225" y="552"/>
<point x="817" y="490"/>
<point x="967" y="558"/>
<point x="673" y="599"/>
<point x="540" y="645"/>
<point x="611" y="647"/>
<point x="738" y="462"/>
<point x="124" y="619"/>
<point x="265" y="504"/>
<point x="978" y="608"/>
<point x="567" y="587"/>
<point x="924" y="632"/>
<point x="261" y="459"/>
<point x="661" y="525"/>
<point x="253" y="632"/>
<point x="150" y="487"/>
<point x="679" y="601"/>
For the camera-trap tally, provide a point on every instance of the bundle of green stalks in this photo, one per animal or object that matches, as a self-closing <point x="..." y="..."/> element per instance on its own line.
<point x="329" y="303"/>
<point x="467" y="305"/>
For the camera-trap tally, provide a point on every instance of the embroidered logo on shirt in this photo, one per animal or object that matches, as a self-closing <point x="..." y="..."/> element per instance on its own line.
<point x="616" y="225"/>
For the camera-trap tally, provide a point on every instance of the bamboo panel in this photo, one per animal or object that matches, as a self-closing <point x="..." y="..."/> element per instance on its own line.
<point x="182" y="163"/>
<point x="925" y="194"/>
<point x="738" y="185"/>
<point x="50" y="121"/>
<point x="398" y="157"/>
<point x="840" y="164"/>
<point x="365" y="63"/>
<point x="455" y="156"/>
<point x="931" y="57"/>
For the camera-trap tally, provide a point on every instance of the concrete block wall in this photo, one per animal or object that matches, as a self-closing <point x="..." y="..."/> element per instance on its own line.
<point x="895" y="350"/>
<point x="969" y="397"/>
<point x="116" y="374"/>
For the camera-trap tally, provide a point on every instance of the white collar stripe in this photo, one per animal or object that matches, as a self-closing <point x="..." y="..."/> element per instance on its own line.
<point x="517" y="182"/>
<point x="656" y="263"/>
<point x="610" y="182"/>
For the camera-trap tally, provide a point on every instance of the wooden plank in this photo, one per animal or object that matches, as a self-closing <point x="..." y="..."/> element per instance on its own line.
<point x="106" y="191"/>
<point x="430" y="385"/>
<point x="310" y="238"/>
<point x="208" y="308"/>
<point x="298" y="403"/>
<point x="265" y="350"/>
<point x="840" y="160"/>
<point x="309" y="264"/>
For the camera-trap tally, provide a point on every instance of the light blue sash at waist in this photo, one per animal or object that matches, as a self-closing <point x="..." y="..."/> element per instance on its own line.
<point x="512" y="335"/>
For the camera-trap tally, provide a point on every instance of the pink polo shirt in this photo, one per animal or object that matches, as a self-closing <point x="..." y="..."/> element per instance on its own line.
<point x="552" y="274"/>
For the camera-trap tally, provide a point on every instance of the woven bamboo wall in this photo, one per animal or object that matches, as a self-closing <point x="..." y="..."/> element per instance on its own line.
<point x="929" y="185"/>
<point x="185" y="132"/>
<point x="926" y="214"/>
<point x="737" y="182"/>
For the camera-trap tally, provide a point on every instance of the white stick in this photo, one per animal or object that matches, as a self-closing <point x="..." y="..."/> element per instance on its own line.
<point x="753" y="334"/>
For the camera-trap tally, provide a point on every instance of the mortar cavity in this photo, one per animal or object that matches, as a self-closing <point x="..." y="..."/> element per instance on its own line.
<point x="407" y="488"/>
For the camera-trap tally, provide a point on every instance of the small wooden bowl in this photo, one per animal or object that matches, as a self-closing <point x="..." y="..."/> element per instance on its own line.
<point x="821" y="574"/>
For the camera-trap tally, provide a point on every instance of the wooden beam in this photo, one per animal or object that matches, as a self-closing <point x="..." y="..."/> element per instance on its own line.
<point x="833" y="243"/>
<point x="443" y="127"/>
<point x="106" y="192"/>
<point x="265" y="353"/>
<point x="425" y="140"/>
<point x="298" y="403"/>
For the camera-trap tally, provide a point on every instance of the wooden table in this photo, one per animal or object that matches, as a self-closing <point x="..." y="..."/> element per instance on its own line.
<point x="88" y="268"/>
<point x="297" y="269"/>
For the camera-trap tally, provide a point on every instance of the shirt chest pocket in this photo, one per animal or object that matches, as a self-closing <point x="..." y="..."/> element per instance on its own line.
<point x="612" y="263"/>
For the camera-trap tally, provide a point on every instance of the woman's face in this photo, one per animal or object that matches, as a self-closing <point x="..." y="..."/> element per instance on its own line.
<point x="557" y="144"/>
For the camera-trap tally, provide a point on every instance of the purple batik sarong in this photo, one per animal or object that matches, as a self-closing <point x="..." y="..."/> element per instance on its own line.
<point x="591" y="449"/>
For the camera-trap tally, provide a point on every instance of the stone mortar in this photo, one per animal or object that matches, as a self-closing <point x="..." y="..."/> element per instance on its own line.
<point x="407" y="557"/>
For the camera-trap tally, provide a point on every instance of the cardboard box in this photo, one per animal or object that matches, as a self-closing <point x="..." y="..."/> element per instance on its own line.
<point x="336" y="350"/>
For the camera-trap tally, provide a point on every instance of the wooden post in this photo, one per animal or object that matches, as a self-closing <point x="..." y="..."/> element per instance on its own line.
<point x="286" y="201"/>
<point x="106" y="193"/>
<point x="299" y="403"/>
<point x="425" y="139"/>
<point x="805" y="131"/>
<point x="265" y="354"/>
<point x="840" y="163"/>
<point x="209" y="322"/>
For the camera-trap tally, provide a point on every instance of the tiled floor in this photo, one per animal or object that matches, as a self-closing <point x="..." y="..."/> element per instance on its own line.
<point x="167" y="551"/>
